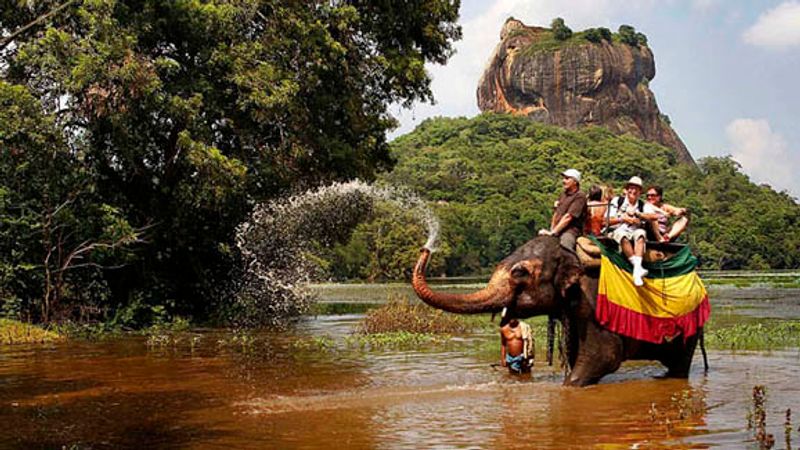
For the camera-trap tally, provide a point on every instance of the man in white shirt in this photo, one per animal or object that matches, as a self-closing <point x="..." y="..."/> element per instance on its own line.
<point x="625" y="218"/>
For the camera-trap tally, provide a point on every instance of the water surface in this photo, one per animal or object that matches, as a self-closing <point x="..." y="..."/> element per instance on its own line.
<point x="276" y="390"/>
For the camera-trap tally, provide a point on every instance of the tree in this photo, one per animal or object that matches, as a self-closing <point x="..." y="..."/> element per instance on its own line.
<point x="55" y="232"/>
<point x="593" y="35"/>
<point x="627" y="34"/>
<point x="560" y="30"/>
<point x="598" y="35"/>
<point x="182" y="115"/>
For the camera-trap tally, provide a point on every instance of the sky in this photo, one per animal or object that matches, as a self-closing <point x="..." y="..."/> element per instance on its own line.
<point x="727" y="71"/>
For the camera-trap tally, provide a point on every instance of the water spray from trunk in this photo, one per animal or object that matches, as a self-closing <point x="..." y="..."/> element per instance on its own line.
<point x="278" y="241"/>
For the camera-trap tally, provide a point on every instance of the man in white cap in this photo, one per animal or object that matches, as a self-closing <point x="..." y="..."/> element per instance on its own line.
<point x="570" y="212"/>
<point x="626" y="214"/>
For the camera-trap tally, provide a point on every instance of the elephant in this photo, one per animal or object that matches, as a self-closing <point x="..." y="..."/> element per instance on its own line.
<point x="542" y="277"/>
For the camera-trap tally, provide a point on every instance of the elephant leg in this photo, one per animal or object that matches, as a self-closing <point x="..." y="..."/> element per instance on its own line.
<point x="599" y="354"/>
<point x="584" y="374"/>
<point x="678" y="357"/>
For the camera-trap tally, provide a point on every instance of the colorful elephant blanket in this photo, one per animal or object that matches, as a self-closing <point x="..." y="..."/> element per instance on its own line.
<point x="672" y="301"/>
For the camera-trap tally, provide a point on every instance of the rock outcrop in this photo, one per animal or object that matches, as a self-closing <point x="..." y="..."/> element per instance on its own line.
<point x="576" y="83"/>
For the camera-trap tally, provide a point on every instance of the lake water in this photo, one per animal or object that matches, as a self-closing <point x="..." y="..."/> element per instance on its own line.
<point x="213" y="389"/>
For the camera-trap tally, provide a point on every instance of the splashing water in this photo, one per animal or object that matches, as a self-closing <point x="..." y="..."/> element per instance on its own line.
<point x="276" y="244"/>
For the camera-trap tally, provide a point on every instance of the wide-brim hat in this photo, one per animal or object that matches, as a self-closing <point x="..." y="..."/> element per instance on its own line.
<point x="635" y="181"/>
<point x="572" y="173"/>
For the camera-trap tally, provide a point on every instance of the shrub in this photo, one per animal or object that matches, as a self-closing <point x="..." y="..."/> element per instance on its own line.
<point x="14" y="332"/>
<point x="593" y="35"/>
<point x="627" y="34"/>
<point x="560" y="30"/>
<point x="400" y="315"/>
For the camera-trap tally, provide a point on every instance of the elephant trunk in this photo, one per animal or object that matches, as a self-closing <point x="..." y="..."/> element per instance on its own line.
<point x="492" y="298"/>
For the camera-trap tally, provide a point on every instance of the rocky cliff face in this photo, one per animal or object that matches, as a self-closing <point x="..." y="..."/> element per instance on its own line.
<point x="576" y="83"/>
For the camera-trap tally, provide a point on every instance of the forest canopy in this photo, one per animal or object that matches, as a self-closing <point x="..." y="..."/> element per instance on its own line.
<point x="135" y="135"/>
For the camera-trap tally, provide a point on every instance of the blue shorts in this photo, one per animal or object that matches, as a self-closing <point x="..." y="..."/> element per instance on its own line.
<point x="515" y="362"/>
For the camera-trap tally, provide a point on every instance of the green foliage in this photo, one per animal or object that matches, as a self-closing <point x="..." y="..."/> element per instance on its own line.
<point x="593" y="35"/>
<point x="755" y="336"/>
<point x="493" y="179"/>
<point x="560" y="29"/>
<point x="384" y="248"/>
<point x="136" y="135"/>
<point x="394" y="339"/>
<point x="560" y="36"/>
<point x="399" y="315"/>
<point x="14" y="332"/>
<point x="628" y="35"/>
<point x="597" y="35"/>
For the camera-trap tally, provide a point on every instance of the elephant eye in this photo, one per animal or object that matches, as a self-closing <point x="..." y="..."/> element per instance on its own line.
<point x="519" y="272"/>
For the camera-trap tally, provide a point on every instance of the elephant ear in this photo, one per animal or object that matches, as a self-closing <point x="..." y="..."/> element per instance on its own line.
<point x="569" y="271"/>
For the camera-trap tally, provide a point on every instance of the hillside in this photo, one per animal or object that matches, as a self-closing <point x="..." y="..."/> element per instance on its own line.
<point x="493" y="179"/>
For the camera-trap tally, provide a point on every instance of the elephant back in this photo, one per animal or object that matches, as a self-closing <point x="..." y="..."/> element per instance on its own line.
<point x="589" y="252"/>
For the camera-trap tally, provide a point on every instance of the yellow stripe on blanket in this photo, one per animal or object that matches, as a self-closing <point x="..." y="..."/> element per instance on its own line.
<point x="663" y="298"/>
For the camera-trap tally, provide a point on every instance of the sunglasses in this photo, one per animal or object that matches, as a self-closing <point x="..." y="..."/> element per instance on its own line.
<point x="652" y="195"/>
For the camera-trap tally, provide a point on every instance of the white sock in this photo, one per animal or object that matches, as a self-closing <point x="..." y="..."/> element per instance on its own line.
<point x="638" y="270"/>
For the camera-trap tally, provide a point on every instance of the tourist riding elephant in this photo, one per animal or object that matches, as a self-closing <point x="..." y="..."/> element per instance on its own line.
<point x="541" y="277"/>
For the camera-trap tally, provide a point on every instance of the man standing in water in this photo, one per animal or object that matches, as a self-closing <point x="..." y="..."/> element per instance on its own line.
<point x="570" y="212"/>
<point x="516" y="346"/>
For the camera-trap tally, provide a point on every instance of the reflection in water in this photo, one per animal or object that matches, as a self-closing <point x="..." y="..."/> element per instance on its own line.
<point x="279" y="394"/>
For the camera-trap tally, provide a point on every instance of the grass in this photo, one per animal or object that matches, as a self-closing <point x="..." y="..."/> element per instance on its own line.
<point x="546" y="41"/>
<point x="395" y="339"/>
<point x="778" y="282"/>
<point x="15" y="332"/>
<point x="755" y="336"/>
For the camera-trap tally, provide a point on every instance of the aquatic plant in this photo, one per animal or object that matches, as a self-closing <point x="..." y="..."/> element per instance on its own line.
<point x="15" y="332"/>
<point x="787" y="429"/>
<point x="759" y="418"/>
<point x="401" y="315"/>
<point x="173" y="340"/>
<point x="316" y="343"/>
<point x="685" y="405"/>
<point x="395" y="339"/>
<point x="755" y="336"/>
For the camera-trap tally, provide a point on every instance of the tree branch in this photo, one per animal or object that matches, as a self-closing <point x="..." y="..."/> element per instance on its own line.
<point x="13" y="36"/>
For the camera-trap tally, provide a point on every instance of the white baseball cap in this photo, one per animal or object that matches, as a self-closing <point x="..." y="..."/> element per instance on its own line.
<point x="636" y="181"/>
<point x="572" y="173"/>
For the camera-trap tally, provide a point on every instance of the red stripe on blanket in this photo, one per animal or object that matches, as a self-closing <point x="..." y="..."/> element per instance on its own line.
<point x="639" y="326"/>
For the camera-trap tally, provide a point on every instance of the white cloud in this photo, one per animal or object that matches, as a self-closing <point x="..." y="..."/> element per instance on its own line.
<point x="777" y="28"/>
<point x="454" y="85"/>
<point x="763" y="153"/>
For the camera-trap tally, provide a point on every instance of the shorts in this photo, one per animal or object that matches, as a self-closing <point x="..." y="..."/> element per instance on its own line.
<point x="567" y="240"/>
<point x="624" y="233"/>
<point x="515" y="363"/>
